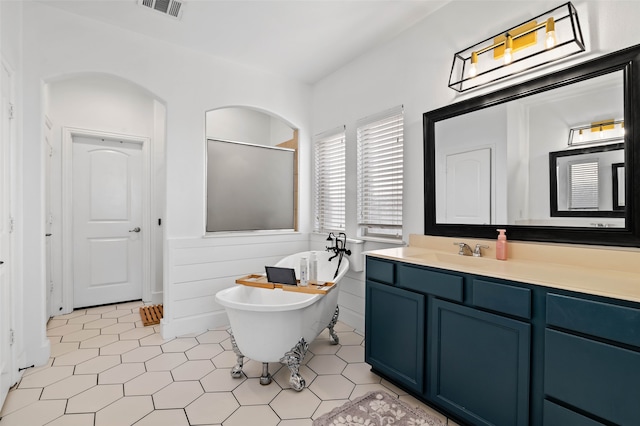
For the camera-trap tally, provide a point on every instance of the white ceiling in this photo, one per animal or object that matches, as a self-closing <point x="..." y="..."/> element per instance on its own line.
<point x="303" y="39"/>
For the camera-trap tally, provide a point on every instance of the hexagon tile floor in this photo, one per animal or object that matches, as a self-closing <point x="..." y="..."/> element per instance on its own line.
<point x="106" y="369"/>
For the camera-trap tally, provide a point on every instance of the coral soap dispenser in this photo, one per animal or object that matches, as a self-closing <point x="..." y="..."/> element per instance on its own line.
<point x="501" y="245"/>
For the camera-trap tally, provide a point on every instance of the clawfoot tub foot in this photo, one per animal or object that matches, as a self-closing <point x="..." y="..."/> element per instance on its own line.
<point x="265" y="379"/>
<point x="236" y="371"/>
<point x="334" y="340"/>
<point x="293" y="359"/>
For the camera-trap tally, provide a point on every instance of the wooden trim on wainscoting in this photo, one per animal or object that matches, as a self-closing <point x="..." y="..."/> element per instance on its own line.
<point x="293" y="144"/>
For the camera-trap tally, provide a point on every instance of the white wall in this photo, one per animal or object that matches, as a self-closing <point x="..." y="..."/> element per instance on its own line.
<point x="11" y="32"/>
<point x="280" y="131"/>
<point x="517" y="178"/>
<point x="239" y="124"/>
<point x="413" y="69"/>
<point x="58" y="44"/>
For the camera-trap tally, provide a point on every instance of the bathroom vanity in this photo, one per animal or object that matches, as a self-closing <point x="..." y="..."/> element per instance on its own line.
<point x="550" y="336"/>
<point x="539" y="339"/>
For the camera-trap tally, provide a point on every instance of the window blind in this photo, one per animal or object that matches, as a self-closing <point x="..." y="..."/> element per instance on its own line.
<point x="329" y="165"/>
<point x="380" y="174"/>
<point x="584" y="186"/>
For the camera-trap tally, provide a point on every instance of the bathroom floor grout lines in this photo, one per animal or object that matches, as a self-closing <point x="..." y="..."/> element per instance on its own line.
<point x="107" y="369"/>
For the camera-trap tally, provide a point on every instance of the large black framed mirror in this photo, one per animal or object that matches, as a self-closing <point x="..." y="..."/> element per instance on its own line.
<point x="487" y="158"/>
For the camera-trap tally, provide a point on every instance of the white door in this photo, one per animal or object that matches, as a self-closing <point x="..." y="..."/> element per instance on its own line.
<point x="469" y="187"/>
<point x="107" y="220"/>
<point x="6" y="309"/>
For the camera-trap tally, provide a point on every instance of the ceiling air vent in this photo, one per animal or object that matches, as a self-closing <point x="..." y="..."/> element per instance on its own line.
<point x="168" y="7"/>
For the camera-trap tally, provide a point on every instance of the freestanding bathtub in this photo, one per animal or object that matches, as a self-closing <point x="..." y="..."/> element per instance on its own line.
<point x="272" y="325"/>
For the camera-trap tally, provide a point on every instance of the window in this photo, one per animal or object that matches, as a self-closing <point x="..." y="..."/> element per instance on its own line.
<point x="380" y="174"/>
<point x="583" y="178"/>
<point x="249" y="187"/>
<point x="329" y="157"/>
<point x="252" y="171"/>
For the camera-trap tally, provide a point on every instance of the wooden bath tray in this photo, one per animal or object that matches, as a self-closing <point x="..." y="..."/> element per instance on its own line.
<point x="257" y="280"/>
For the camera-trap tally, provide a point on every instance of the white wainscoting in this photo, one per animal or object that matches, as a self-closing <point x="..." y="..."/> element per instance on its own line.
<point x="351" y="300"/>
<point x="197" y="268"/>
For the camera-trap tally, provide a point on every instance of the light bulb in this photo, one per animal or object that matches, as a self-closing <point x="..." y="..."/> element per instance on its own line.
<point x="550" y="37"/>
<point x="580" y="136"/>
<point x="473" y="69"/>
<point x="508" y="49"/>
<point x="600" y="133"/>
<point x="507" y="56"/>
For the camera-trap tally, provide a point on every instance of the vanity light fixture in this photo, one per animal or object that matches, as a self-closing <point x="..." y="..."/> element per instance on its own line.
<point x="520" y="49"/>
<point x="598" y="132"/>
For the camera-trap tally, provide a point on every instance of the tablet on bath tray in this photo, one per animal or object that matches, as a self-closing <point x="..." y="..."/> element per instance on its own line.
<point x="276" y="274"/>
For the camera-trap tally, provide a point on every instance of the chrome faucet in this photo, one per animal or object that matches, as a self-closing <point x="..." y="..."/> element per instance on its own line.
<point x="463" y="249"/>
<point x="477" y="252"/>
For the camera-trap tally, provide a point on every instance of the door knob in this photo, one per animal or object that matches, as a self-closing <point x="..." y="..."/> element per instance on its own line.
<point x="136" y="229"/>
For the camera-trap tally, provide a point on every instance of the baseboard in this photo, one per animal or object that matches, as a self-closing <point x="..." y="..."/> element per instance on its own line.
<point x="194" y="324"/>
<point x="39" y="356"/>
<point x="156" y="297"/>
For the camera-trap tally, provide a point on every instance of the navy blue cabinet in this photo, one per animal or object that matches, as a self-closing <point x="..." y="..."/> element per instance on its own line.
<point x="394" y="330"/>
<point x="488" y="351"/>
<point x="592" y="376"/>
<point x="592" y="358"/>
<point x="480" y="364"/>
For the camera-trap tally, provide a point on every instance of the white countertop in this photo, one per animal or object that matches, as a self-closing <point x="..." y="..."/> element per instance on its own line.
<point x="604" y="272"/>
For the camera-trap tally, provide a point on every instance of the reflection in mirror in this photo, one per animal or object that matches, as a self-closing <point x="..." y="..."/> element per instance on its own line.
<point x="251" y="171"/>
<point x="617" y="172"/>
<point x="492" y="164"/>
<point x="582" y="183"/>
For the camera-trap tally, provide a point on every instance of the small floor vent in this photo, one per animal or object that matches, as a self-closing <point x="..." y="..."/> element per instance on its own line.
<point x="171" y="8"/>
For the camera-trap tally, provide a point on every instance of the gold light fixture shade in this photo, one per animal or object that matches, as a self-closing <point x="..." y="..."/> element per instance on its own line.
<point x="599" y="126"/>
<point x="522" y="37"/>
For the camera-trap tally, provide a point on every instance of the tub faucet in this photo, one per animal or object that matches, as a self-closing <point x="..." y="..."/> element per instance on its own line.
<point x="338" y="247"/>
<point x="338" y="244"/>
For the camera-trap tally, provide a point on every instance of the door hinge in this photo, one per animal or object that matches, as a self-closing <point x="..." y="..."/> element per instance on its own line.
<point x="11" y="112"/>
<point x="12" y="224"/>
<point x="12" y="336"/>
